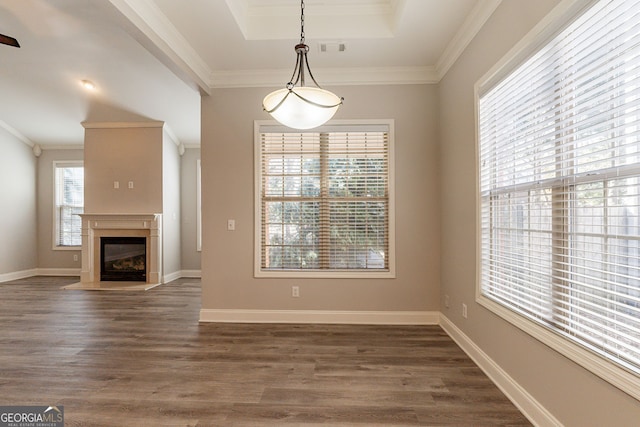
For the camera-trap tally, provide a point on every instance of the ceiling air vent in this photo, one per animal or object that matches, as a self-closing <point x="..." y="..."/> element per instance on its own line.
<point x="332" y="47"/>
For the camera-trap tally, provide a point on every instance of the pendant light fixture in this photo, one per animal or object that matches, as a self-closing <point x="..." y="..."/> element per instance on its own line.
<point x="301" y="107"/>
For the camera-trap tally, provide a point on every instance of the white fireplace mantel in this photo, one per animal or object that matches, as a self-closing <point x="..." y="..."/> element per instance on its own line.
<point x="95" y="226"/>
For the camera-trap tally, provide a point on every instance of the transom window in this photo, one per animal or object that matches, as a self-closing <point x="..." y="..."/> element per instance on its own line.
<point x="324" y="200"/>
<point x="559" y="184"/>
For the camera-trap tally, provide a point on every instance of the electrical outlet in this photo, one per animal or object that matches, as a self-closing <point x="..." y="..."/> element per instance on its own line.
<point x="231" y="224"/>
<point x="295" y="291"/>
<point x="75" y="257"/>
<point x="446" y="301"/>
<point x="464" y="310"/>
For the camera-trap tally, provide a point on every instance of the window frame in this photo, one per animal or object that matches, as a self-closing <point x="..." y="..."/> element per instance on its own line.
<point x="273" y="126"/>
<point x="625" y="379"/>
<point x="58" y="164"/>
<point x="199" y="205"/>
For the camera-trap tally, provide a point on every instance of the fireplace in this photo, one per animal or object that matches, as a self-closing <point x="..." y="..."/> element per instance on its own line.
<point x="112" y="229"/>
<point x="123" y="259"/>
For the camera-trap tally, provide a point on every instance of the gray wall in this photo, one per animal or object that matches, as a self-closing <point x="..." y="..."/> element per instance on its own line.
<point x="190" y="254"/>
<point x="47" y="256"/>
<point x="17" y="206"/>
<point x="171" y="240"/>
<point x="26" y="224"/>
<point x="573" y="395"/>
<point x="228" y="183"/>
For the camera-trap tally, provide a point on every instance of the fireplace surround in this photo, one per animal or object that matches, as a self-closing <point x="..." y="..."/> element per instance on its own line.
<point x="141" y="226"/>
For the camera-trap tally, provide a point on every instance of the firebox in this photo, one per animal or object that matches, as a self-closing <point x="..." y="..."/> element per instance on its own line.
<point x="123" y="259"/>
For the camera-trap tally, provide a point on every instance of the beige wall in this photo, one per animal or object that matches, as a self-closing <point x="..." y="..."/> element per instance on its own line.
<point x="48" y="257"/>
<point x="571" y="394"/>
<point x="17" y="206"/>
<point x="181" y="188"/>
<point x="190" y="254"/>
<point x="123" y="155"/>
<point x="227" y="175"/>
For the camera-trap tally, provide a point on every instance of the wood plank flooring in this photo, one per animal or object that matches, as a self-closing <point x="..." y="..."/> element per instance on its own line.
<point x="142" y="359"/>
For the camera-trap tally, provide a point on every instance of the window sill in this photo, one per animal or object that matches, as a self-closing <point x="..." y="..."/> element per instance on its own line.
<point x="333" y="274"/>
<point x="624" y="379"/>
<point x="67" y="248"/>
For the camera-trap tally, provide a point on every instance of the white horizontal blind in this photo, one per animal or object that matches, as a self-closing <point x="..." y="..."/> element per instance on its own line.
<point x="559" y="146"/>
<point x="69" y="202"/>
<point x="324" y="200"/>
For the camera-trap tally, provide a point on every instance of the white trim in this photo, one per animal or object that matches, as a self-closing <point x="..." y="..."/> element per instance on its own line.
<point x="193" y="274"/>
<point x="198" y="205"/>
<point x="147" y="18"/>
<point x="559" y="18"/>
<point x="603" y="368"/>
<point x="389" y="125"/>
<point x="472" y="25"/>
<point x="324" y="274"/>
<point x="164" y="38"/>
<point x="17" y="275"/>
<point x="95" y="226"/>
<point x="54" y="237"/>
<point x="57" y="272"/>
<point x="321" y="316"/>
<point x="63" y="147"/>
<point x="168" y="133"/>
<point x="123" y="125"/>
<point x="15" y="133"/>
<point x="330" y="76"/>
<point x="525" y="402"/>
<point x="172" y="276"/>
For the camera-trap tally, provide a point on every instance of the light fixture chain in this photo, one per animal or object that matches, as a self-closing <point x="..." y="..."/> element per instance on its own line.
<point x="308" y="107"/>
<point x="302" y="21"/>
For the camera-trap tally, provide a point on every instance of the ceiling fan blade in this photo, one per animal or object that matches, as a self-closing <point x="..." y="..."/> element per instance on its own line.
<point x="9" y="41"/>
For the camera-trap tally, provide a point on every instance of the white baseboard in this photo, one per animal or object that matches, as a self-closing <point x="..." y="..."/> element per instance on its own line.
<point x="321" y="316"/>
<point x="191" y="273"/>
<point x="171" y="276"/>
<point x="530" y="407"/>
<point x="57" y="272"/>
<point x="16" y="275"/>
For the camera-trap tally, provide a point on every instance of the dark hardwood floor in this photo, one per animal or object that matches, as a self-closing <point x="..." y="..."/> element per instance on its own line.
<point x="118" y="358"/>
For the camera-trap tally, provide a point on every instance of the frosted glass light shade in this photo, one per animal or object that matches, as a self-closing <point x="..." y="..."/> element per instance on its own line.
<point x="297" y="113"/>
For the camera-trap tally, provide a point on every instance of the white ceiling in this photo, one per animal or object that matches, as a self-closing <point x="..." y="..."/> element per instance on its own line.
<point x="151" y="59"/>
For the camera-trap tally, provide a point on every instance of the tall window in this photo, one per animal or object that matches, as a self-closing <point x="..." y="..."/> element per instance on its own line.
<point x="68" y="203"/>
<point x="559" y="162"/>
<point x="324" y="202"/>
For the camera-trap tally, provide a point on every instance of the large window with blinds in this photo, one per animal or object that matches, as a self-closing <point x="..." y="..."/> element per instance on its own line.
<point x="559" y="190"/>
<point x="68" y="203"/>
<point x="324" y="201"/>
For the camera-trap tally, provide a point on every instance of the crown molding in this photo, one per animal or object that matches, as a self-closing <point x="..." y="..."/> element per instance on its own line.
<point x="474" y="22"/>
<point x="168" y="132"/>
<point x="122" y="125"/>
<point x="147" y="17"/>
<point x="49" y="147"/>
<point x="274" y="19"/>
<point x="15" y="133"/>
<point x="329" y="77"/>
<point x="163" y="36"/>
